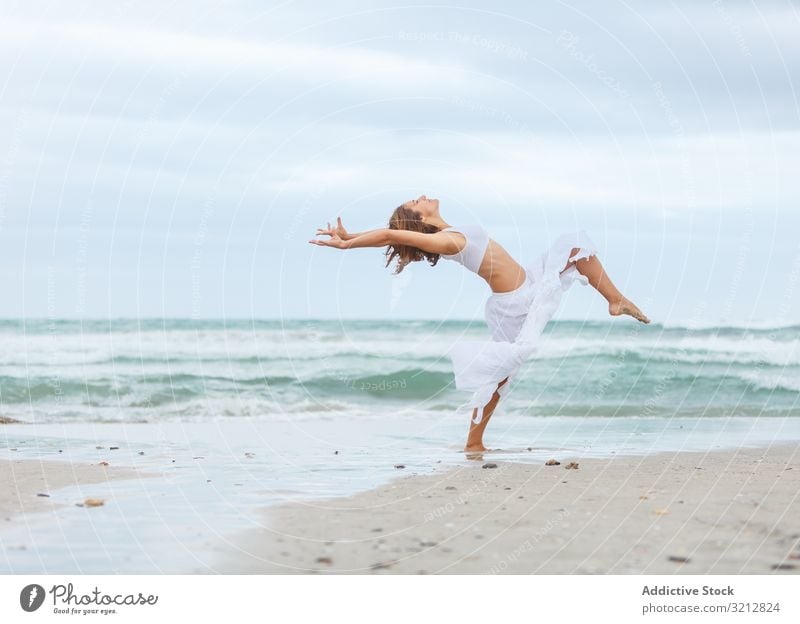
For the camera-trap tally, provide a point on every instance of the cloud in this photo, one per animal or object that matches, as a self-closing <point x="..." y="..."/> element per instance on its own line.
<point x="147" y="116"/>
<point x="159" y="51"/>
<point x="710" y="171"/>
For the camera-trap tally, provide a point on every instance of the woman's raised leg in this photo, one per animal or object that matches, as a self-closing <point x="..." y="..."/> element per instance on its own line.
<point x="475" y="436"/>
<point x="618" y="304"/>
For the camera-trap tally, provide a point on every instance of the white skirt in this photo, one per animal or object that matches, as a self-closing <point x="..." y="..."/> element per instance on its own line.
<point x="516" y="321"/>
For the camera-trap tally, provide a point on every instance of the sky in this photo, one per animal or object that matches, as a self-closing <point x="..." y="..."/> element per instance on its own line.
<point x="173" y="159"/>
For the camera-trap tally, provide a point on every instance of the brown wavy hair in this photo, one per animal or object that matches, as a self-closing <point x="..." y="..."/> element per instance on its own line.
<point x="406" y="219"/>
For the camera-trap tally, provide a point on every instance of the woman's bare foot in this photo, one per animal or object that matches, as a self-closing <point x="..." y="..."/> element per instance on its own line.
<point x="475" y="452"/>
<point x="626" y="306"/>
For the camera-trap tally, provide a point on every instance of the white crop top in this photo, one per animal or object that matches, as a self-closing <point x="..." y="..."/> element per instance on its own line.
<point x="472" y="254"/>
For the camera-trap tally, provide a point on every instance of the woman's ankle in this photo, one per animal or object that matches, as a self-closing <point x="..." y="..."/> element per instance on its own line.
<point x="474" y="442"/>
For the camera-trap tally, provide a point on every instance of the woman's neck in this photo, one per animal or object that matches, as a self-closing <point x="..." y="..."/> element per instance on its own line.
<point x="438" y="222"/>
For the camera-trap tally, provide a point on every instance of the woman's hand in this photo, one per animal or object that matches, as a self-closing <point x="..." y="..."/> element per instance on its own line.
<point x="334" y="241"/>
<point x="337" y="231"/>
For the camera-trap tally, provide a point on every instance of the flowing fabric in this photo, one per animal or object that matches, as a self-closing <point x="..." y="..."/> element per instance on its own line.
<point x="516" y="321"/>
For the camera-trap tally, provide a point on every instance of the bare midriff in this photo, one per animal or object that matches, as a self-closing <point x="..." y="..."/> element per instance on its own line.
<point x="500" y="270"/>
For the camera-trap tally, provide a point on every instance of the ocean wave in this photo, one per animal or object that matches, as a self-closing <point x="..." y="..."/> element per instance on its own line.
<point x="153" y="390"/>
<point x="750" y="326"/>
<point x="770" y="381"/>
<point x="186" y="369"/>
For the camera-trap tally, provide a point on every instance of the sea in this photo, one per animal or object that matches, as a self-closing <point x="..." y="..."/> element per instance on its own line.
<point x="238" y="415"/>
<point x="63" y="371"/>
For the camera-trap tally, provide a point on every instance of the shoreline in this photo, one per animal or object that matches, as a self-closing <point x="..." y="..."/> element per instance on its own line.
<point x="684" y="512"/>
<point x="336" y="509"/>
<point x="26" y="484"/>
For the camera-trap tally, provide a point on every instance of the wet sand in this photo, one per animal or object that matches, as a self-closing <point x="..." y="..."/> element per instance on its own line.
<point x="721" y="512"/>
<point x="25" y="484"/>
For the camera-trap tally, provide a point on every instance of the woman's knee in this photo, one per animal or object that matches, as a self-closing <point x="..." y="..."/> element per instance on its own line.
<point x="572" y="253"/>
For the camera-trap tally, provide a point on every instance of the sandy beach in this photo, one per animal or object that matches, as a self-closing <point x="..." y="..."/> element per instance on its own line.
<point x="244" y="508"/>
<point x="722" y="512"/>
<point x="26" y="484"/>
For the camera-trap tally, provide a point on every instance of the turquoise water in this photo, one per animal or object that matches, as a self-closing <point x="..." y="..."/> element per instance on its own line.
<point x="185" y="370"/>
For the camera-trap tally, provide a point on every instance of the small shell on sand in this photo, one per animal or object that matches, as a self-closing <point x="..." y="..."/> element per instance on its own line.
<point x="662" y="512"/>
<point x="552" y="462"/>
<point x="94" y="502"/>
<point x="678" y="559"/>
<point x="572" y="466"/>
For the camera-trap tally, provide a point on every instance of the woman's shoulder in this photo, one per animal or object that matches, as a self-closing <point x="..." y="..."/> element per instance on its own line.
<point x="468" y="228"/>
<point x="460" y="239"/>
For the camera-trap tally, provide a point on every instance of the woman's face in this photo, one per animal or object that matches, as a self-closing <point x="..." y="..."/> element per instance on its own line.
<point x="426" y="207"/>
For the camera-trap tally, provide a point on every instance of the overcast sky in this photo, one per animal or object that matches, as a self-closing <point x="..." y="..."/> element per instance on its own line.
<point x="172" y="159"/>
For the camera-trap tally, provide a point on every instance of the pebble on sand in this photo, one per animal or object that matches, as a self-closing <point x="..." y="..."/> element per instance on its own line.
<point x="94" y="502"/>
<point x="325" y="560"/>
<point x="784" y="566"/>
<point x="399" y="466"/>
<point x="381" y="565"/>
<point x="677" y="559"/>
<point x="572" y="466"/>
<point x="552" y="462"/>
<point x="489" y="465"/>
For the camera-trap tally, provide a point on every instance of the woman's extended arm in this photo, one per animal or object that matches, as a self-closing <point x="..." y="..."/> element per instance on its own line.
<point x="440" y="242"/>
<point x="341" y="231"/>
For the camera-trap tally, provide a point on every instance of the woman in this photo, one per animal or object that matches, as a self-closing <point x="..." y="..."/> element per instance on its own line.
<point x="522" y="302"/>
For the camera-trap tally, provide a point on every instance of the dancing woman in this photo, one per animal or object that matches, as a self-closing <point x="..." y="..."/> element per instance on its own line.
<point x="523" y="300"/>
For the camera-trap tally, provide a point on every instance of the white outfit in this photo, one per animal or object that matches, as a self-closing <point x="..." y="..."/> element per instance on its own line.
<point x="516" y="319"/>
<point x="472" y="254"/>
